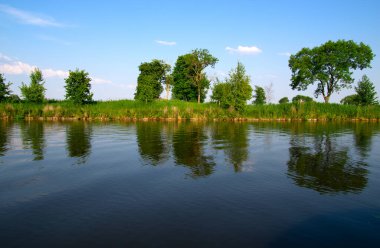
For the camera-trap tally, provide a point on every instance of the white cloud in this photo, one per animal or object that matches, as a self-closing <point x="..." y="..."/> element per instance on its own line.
<point x="16" y="67"/>
<point x="4" y="57"/>
<point x="287" y="54"/>
<point x="244" y="50"/>
<point x="166" y="43"/>
<point x="29" y="18"/>
<point x="96" y="80"/>
<point x="54" y="73"/>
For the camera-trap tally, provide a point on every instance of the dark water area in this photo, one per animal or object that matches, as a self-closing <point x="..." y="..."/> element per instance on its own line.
<point x="79" y="184"/>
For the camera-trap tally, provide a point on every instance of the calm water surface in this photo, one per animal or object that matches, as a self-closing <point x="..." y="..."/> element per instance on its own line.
<point x="83" y="184"/>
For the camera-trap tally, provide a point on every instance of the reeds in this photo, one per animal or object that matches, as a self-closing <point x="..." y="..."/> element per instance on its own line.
<point x="162" y="109"/>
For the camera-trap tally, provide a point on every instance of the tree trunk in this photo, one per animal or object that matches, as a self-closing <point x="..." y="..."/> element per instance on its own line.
<point x="199" y="95"/>
<point x="327" y="99"/>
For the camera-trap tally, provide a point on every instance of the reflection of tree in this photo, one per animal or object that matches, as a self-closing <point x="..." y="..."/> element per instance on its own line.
<point x="33" y="138"/>
<point x="4" y="134"/>
<point x="151" y="141"/>
<point x="78" y="137"/>
<point x="233" y="139"/>
<point x="363" y="138"/>
<point x="188" y="149"/>
<point x="324" y="167"/>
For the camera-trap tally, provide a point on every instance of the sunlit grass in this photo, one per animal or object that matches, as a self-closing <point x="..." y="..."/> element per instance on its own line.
<point x="129" y="109"/>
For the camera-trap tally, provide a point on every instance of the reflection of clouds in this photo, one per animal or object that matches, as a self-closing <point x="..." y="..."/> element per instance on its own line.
<point x="247" y="168"/>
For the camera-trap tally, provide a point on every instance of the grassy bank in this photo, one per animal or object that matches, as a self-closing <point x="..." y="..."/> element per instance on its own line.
<point x="128" y="109"/>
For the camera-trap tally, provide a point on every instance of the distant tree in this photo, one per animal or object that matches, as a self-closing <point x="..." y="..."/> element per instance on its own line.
<point x="13" y="98"/>
<point x="301" y="98"/>
<point x="4" y="88"/>
<point x="182" y="86"/>
<point x="366" y="92"/>
<point x="78" y="87"/>
<point x="220" y="91"/>
<point x="283" y="100"/>
<point x="199" y="60"/>
<point x="235" y="91"/>
<point x="269" y="92"/>
<point x="35" y="92"/>
<point x="350" y="100"/>
<point x="259" y="96"/>
<point x="149" y="83"/>
<point x="329" y="65"/>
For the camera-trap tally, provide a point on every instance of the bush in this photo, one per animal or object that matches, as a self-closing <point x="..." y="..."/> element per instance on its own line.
<point x="283" y="100"/>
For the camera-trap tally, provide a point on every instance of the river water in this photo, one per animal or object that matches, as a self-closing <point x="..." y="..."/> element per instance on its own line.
<point x="153" y="184"/>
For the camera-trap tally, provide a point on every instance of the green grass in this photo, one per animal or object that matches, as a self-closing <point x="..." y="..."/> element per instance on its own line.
<point x="126" y="109"/>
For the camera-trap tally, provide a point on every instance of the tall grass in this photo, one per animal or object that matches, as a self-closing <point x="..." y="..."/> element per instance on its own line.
<point x="129" y="109"/>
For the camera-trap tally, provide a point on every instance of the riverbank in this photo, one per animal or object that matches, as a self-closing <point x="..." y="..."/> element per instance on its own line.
<point x="172" y="110"/>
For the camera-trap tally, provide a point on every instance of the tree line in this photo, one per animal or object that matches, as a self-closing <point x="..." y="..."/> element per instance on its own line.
<point x="328" y="66"/>
<point x="77" y="85"/>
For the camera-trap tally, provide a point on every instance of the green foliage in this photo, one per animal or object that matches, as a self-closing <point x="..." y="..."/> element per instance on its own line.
<point x="4" y="88"/>
<point x="259" y="96"/>
<point x="35" y="92"/>
<point x="78" y="87"/>
<point x="131" y="110"/>
<point x="350" y="100"/>
<point x="283" y="100"/>
<point x="235" y="91"/>
<point x="366" y="92"/>
<point x="149" y="83"/>
<point x="183" y="88"/>
<point x="198" y="60"/>
<point x="301" y="98"/>
<point x="329" y="65"/>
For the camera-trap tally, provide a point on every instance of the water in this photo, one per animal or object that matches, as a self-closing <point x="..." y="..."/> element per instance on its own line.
<point x="81" y="184"/>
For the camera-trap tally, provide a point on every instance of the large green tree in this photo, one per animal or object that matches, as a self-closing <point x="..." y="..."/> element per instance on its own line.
<point x="78" y="87"/>
<point x="4" y="88"/>
<point x="366" y="93"/>
<point x="329" y="66"/>
<point x="35" y="92"/>
<point x="149" y="83"/>
<point x="235" y="91"/>
<point x="182" y="86"/>
<point x="198" y="61"/>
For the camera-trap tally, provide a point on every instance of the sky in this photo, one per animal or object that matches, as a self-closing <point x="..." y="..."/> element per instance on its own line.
<point x="110" y="39"/>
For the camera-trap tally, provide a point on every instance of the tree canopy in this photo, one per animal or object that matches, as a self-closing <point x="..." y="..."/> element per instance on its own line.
<point x="259" y="96"/>
<point x="198" y="60"/>
<point x="283" y="100"/>
<point x="301" y="98"/>
<point x="366" y="93"/>
<point x="35" y="92"/>
<point x="149" y="83"/>
<point x="329" y="66"/>
<point x="235" y="91"/>
<point x="4" y="88"/>
<point x="183" y="88"/>
<point x="78" y="87"/>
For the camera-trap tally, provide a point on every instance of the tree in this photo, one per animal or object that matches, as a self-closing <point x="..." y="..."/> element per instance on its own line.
<point x="199" y="60"/>
<point x="301" y="98"/>
<point x="366" y="93"/>
<point x="283" y="100"/>
<point x="259" y="96"/>
<point x="235" y="91"/>
<point x="149" y="83"/>
<point x="269" y="92"/>
<point x="350" y="100"/>
<point x="4" y="88"/>
<point x="35" y="92"/>
<point x="183" y="88"/>
<point x="78" y="87"/>
<point x="329" y="65"/>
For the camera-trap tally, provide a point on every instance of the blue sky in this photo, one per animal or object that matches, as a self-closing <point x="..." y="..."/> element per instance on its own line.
<point x="109" y="39"/>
